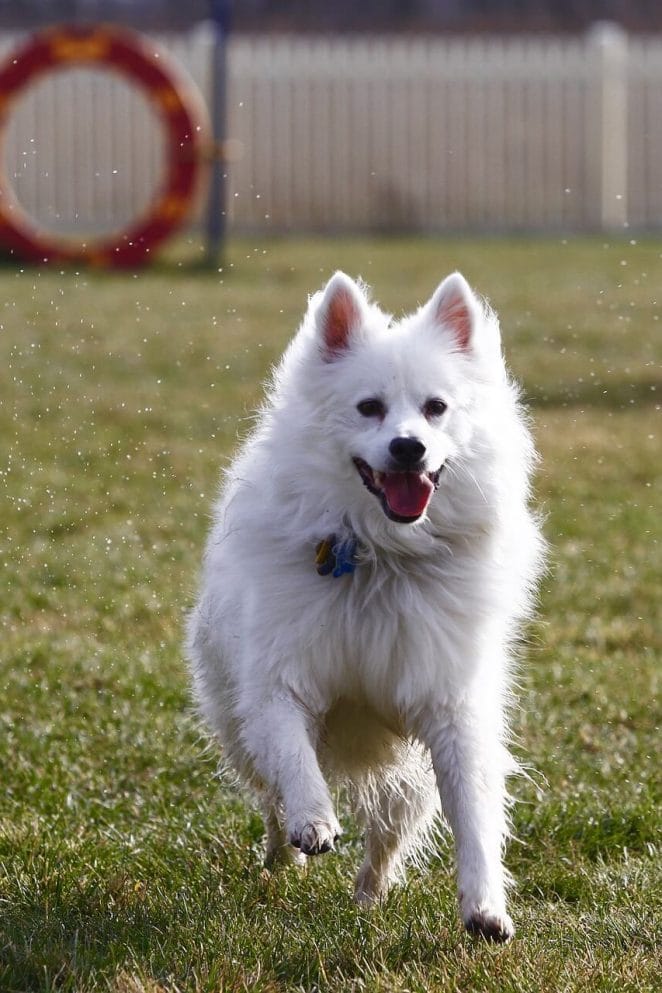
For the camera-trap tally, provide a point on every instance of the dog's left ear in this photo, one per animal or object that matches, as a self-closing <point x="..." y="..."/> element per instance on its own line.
<point x="454" y="308"/>
<point x="340" y="312"/>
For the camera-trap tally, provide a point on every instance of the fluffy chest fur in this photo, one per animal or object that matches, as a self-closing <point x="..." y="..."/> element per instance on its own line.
<point x="395" y="633"/>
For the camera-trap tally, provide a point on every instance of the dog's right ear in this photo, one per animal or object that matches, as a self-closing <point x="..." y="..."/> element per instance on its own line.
<point x="455" y="309"/>
<point x="339" y="313"/>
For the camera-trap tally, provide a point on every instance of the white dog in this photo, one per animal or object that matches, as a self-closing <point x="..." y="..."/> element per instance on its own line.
<point x="370" y="565"/>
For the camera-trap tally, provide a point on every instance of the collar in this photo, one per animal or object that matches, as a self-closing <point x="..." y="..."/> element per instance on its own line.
<point x="335" y="558"/>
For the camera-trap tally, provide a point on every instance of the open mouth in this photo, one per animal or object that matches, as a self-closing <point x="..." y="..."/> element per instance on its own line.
<point x="404" y="495"/>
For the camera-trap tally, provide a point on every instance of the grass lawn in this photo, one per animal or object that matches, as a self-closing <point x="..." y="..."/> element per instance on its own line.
<point x="125" y="866"/>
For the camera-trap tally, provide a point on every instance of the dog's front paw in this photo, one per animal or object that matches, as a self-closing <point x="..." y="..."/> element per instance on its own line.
<point x="491" y="926"/>
<point x="315" y="837"/>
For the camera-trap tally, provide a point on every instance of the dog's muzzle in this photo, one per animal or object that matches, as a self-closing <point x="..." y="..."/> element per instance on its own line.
<point x="404" y="492"/>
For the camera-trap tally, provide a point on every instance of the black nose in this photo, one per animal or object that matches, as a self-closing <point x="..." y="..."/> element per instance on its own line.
<point x="407" y="452"/>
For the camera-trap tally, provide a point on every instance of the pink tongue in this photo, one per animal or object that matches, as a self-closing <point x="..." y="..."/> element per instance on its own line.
<point x="407" y="493"/>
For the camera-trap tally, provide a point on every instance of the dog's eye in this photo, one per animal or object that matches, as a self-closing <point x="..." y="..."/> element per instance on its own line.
<point x="434" y="407"/>
<point x="371" y="408"/>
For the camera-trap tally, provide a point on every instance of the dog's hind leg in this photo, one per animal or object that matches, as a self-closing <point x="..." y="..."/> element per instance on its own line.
<point x="399" y="813"/>
<point x="279" y="851"/>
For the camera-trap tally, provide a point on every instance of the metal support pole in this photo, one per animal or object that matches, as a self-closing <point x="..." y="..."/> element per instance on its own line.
<point x="216" y="207"/>
<point x="609" y="44"/>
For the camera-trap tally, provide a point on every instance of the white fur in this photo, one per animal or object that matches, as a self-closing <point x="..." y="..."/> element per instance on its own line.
<point x="394" y="679"/>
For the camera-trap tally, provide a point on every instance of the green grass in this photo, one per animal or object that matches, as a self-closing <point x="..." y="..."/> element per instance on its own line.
<point x="124" y="864"/>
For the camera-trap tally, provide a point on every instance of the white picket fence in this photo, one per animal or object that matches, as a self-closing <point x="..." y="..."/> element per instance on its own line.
<point x="370" y="134"/>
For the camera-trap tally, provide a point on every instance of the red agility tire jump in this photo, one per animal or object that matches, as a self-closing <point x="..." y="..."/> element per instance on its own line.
<point x="179" y="107"/>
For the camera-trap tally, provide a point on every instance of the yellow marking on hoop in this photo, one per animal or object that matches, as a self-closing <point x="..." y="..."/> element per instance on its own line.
<point x="172" y="206"/>
<point x="95" y="258"/>
<point x="167" y="98"/>
<point x="67" y="49"/>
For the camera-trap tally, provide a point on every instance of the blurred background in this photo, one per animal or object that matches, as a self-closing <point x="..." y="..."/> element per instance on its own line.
<point x="424" y="116"/>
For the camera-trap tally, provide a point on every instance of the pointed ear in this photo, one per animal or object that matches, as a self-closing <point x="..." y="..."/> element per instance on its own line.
<point x="340" y="312"/>
<point x="455" y="308"/>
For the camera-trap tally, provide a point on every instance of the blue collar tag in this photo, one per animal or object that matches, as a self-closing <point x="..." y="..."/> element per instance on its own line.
<point x="334" y="558"/>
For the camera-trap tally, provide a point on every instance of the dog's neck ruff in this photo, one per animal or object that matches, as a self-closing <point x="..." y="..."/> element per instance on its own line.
<point x="336" y="558"/>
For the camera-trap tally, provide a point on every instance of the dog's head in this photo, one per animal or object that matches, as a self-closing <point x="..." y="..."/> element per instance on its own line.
<point x="393" y="396"/>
